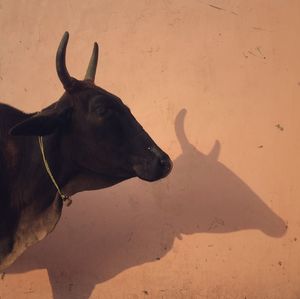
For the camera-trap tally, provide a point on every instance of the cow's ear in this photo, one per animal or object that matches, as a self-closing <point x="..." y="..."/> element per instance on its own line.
<point x="43" y="123"/>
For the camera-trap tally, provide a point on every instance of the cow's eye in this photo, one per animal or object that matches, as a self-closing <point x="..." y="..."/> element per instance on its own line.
<point x="100" y="111"/>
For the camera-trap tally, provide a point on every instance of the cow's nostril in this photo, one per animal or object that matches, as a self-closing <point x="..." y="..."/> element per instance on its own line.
<point x="166" y="163"/>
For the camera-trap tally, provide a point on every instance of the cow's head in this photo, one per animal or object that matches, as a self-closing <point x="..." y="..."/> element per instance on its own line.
<point x="99" y="133"/>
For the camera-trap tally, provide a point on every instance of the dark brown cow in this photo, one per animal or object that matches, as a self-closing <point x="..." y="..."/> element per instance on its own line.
<point x="90" y="141"/>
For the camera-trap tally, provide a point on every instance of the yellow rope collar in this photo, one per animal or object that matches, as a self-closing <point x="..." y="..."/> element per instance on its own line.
<point x="64" y="197"/>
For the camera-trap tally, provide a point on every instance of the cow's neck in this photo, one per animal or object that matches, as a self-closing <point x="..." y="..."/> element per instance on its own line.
<point x="42" y="193"/>
<point x="34" y="206"/>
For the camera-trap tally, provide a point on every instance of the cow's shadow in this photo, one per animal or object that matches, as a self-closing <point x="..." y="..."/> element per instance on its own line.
<point x="106" y="232"/>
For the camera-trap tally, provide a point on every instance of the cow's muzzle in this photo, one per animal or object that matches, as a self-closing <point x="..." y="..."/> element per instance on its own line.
<point x="156" y="165"/>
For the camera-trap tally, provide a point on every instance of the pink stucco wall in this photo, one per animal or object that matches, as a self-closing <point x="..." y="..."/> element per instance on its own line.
<point x="217" y="85"/>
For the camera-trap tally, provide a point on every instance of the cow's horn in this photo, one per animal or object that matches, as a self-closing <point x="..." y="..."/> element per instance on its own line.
<point x="91" y="71"/>
<point x="61" y="68"/>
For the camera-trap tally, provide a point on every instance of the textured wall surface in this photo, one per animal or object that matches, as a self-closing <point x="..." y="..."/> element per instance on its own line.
<point x="217" y="85"/>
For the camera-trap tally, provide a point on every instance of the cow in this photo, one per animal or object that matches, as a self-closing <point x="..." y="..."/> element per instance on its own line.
<point x="87" y="140"/>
